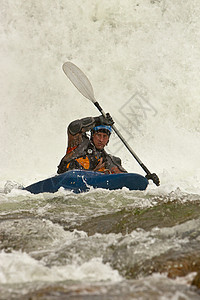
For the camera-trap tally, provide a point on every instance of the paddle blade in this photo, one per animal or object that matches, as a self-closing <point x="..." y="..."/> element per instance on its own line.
<point x="79" y="80"/>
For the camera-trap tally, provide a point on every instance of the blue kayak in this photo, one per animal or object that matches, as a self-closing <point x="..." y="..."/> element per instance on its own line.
<point x="80" y="181"/>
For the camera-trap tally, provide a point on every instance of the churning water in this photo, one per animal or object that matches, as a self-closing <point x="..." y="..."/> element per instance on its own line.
<point x="142" y="58"/>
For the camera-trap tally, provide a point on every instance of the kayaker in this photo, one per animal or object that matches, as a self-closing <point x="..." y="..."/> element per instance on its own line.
<point x="88" y="153"/>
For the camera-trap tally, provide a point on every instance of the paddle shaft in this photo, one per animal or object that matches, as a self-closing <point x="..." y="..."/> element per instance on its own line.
<point x="123" y="140"/>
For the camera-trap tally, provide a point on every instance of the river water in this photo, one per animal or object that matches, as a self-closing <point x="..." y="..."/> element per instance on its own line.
<point x="142" y="58"/>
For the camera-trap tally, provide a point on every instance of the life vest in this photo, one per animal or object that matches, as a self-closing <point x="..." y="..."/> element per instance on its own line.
<point x="85" y="156"/>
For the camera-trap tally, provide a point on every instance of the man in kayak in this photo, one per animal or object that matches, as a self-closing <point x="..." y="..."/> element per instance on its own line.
<point x="85" y="153"/>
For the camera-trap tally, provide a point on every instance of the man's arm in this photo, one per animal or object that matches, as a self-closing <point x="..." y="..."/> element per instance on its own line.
<point x="82" y="125"/>
<point x="76" y="130"/>
<point x="113" y="163"/>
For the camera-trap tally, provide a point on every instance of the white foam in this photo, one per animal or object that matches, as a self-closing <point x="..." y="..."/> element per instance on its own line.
<point x="20" y="267"/>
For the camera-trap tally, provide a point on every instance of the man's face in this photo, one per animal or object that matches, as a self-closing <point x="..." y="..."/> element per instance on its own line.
<point x="100" y="140"/>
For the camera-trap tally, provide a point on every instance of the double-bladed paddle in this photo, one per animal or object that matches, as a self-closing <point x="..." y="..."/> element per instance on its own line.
<point x="82" y="83"/>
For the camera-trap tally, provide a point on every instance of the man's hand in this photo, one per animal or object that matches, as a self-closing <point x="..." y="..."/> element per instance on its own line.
<point x="101" y="120"/>
<point x="153" y="177"/>
<point x="100" y="165"/>
<point x="109" y="120"/>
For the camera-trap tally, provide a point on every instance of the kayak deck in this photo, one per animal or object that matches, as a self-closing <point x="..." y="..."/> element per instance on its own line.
<point x="81" y="181"/>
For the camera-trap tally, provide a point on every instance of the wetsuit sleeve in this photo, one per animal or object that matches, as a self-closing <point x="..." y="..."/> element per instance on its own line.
<point x="113" y="164"/>
<point x="85" y="124"/>
<point x="81" y="125"/>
